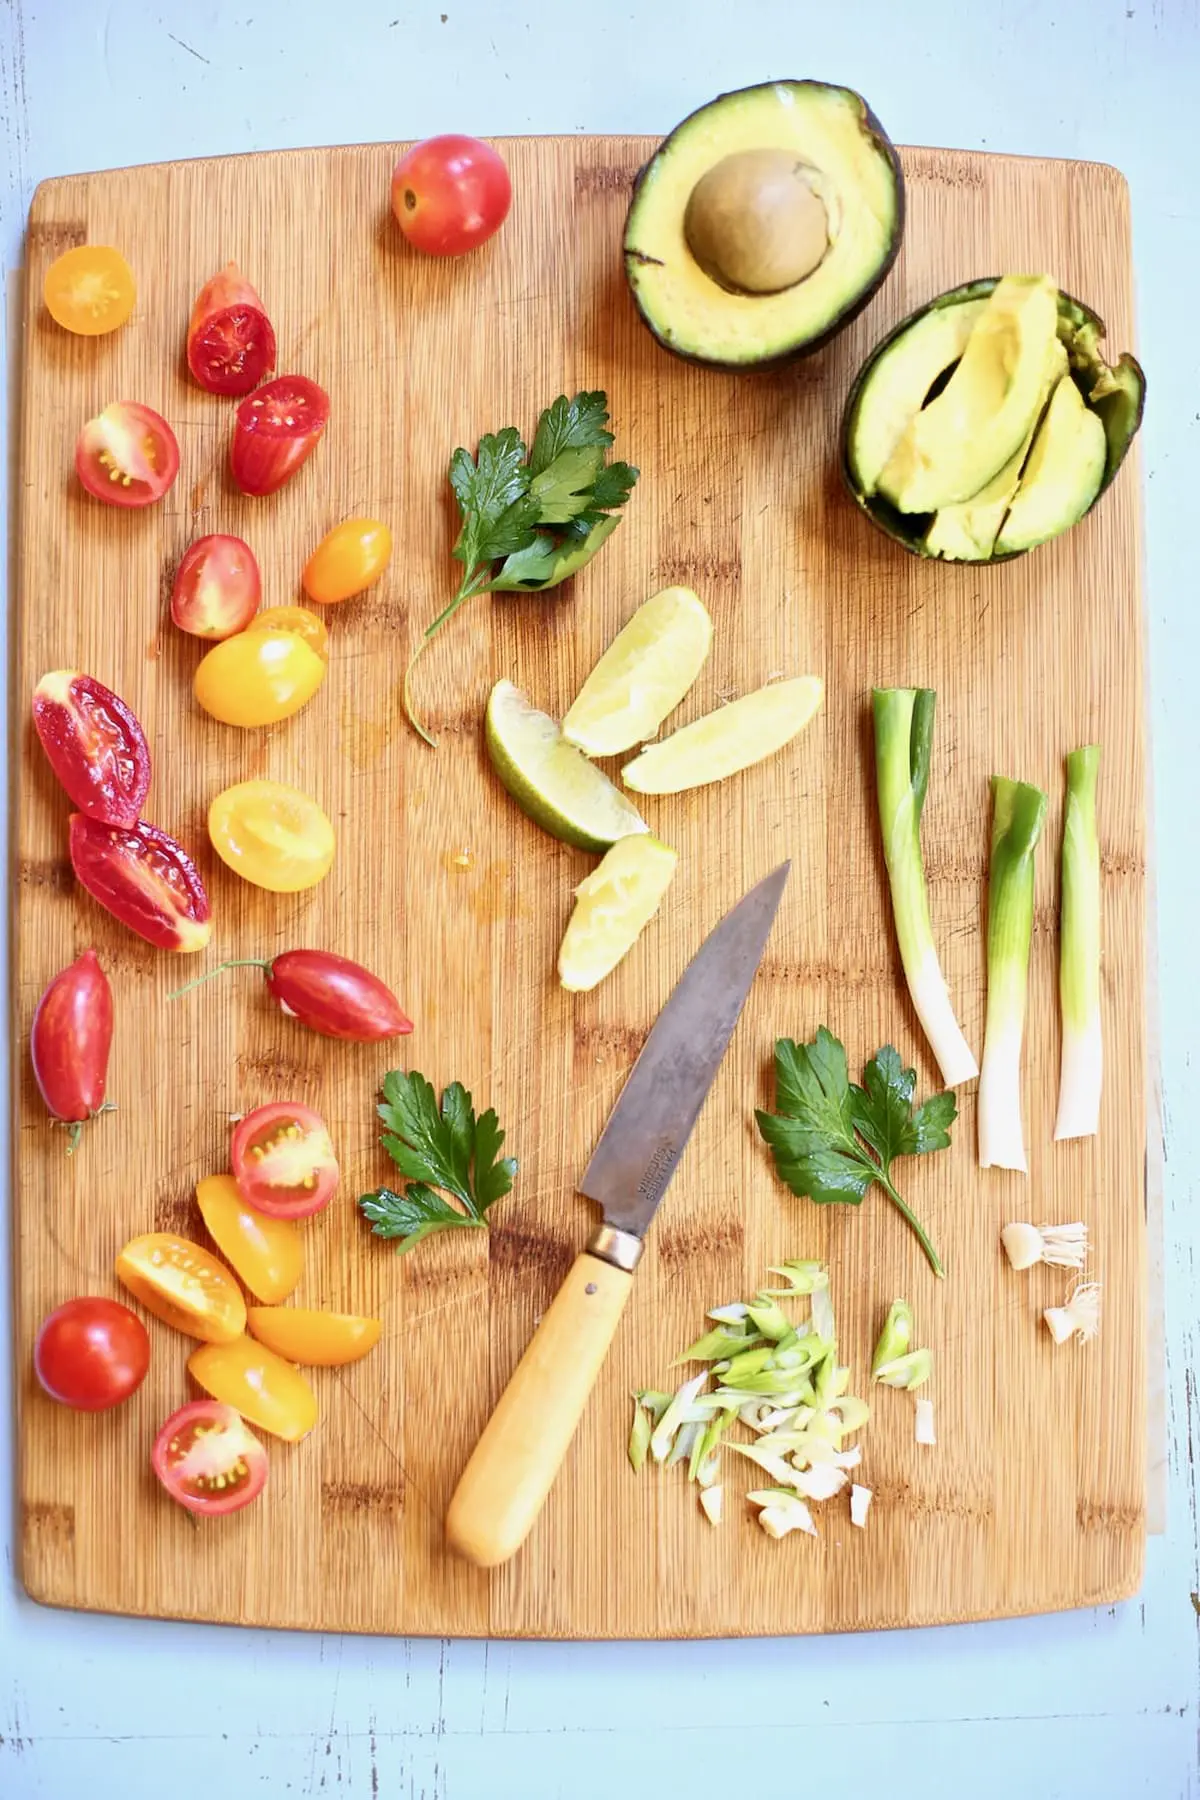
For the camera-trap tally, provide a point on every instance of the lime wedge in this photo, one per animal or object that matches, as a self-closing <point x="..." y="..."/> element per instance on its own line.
<point x="613" y="905"/>
<point x="727" y="740"/>
<point x="557" y="786"/>
<point x="642" y="676"/>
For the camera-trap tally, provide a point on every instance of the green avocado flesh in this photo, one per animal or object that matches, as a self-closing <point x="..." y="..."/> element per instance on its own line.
<point x="844" y="159"/>
<point x="1063" y="474"/>
<point x="900" y="381"/>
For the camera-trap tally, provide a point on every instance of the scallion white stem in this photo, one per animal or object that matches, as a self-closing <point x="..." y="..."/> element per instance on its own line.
<point x="1017" y="818"/>
<point x="1082" y="1073"/>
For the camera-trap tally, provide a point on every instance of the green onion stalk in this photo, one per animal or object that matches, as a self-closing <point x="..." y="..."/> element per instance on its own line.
<point x="1082" y="1071"/>
<point x="1018" y="814"/>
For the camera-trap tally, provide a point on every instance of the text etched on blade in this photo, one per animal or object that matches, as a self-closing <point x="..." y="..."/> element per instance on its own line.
<point x="656" y="1175"/>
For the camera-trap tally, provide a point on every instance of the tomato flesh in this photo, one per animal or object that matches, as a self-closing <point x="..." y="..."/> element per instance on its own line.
<point x="347" y="560"/>
<point x="230" y="341"/>
<point x="89" y="290"/>
<point x="450" y="194"/>
<point x="298" y="620"/>
<point x="275" y="432"/>
<point x="272" y="835"/>
<point x="70" y="1042"/>
<point x="258" y="677"/>
<point x="94" y="744"/>
<point x="336" y="997"/>
<point x="306" y="1335"/>
<point x="183" y="1285"/>
<point x="266" y="1253"/>
<point x="283" y="1161"/>
<point x="127" y="455"/>
<point x="91" y="1354"/>
<point x="208" y="1459"/>
<point x="265" y="1389"/>
<point x="145" y="879"/>
<point x="217" y="587"/>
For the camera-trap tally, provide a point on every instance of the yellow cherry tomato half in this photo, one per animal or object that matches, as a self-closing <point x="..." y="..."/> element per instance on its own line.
<point x="347" y="560"/>
<point x="308" y="625"/>
<point x="266" y="1390"/>
<point x="305" y="1335"/>
<point x="89" y="290"/>
<point x="268" y="1254"/>
<point x="184" y="1286"/>
<point x="258" y="677"/>
<point x="271" y="835"/>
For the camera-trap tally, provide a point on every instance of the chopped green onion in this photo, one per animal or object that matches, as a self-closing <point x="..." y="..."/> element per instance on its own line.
<point x="639" y="1437"/>
<point x="663" y="1435"/>
<point x="911" y="1371"/>
<point x="1082" y="1071"/>
<point x="903" y="743"/>
<point x="1019" y="812"/>
<point x="711" y="1501"/>
<point x="770" y="1319"/>
<point x="802" y="1278"/>
<point x="896" y="1336"/>
<point x="722" y="1341"/>
<point x="860" y="1505"/>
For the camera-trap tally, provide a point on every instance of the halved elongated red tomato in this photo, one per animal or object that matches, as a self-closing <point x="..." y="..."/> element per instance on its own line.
<point x="127" y="455"/>
<point x="145" y="879"/>
<point x="208" y="1459"/>
<point x="230" y="340"/>
<point x="94" y="744"/>
<point x="276" y="431"/>
<point x="69" y="1043"/>
<point x="217" y="587"/>
<point x="283" y="1161"/>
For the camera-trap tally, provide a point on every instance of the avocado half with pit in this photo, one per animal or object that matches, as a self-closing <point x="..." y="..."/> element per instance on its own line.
<point x="764" y="223"/>
<point x="989" y="422"/>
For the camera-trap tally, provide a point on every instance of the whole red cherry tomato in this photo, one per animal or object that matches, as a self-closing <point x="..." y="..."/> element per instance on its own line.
<point x="230" y="340"/>
<point x="145" y="879"/>
<point x="217" y="587"/>
<point x="127" y="455"/>
<point x="275" y="431"/>
<point x="94" y="744"/>
<point x="328" y="993"/>
<point x="450" y="194"/>
<point x="91" y="1354"/>
<point x="69" y="1043"/>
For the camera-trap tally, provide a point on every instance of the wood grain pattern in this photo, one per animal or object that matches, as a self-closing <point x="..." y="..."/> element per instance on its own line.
<point x="1034" y="1498"/>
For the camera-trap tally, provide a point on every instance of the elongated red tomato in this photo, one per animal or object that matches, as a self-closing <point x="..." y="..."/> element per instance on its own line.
<point x="230" y="340"/>
<point x="70" y="1041"/>
<point x="276" y="431"/>
<point x="145" y="879"/>
<point x="450" y="194"/>
<point x="335" y="996"/>
<point x="217" y="587"/>
<point x="208" y="1459"/>
<point x="127" y="455"/>
<point x="91" y="1354"/>
<point x="94" y="744"/>
<point x="283" y="1161"/>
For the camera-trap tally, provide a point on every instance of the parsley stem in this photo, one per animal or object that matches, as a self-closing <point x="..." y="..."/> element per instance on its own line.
<point x="474" y="582"/>
<point x="935" y="1261"/>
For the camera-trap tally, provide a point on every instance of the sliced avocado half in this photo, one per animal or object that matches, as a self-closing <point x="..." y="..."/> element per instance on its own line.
<point x="764" y="223"/>
<point x="1063" y="474"/>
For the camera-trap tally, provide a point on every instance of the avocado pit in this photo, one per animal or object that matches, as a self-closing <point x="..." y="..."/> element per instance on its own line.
<point x="755" y="223"/>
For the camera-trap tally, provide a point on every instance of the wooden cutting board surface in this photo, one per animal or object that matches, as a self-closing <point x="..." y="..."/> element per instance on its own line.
<point x="1034" y="1496"/>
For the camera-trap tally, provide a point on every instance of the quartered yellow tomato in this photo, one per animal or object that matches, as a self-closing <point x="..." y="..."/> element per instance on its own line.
<point x="347" y="560"/>
<point x="305" y="1335"/>
<point x="258" y="677"/>
<point x="272" y="835"/>
<point x="308" y="625"/>
<point x="265" y="1389"/>
<point x="183" y="1285"/>
<point x="268" y="1254"/>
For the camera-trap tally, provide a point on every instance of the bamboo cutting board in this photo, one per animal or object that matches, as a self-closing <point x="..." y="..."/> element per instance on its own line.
<point x="1034" y="1497"/>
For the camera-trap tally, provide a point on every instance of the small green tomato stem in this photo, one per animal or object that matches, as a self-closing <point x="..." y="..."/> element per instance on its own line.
<point x="235" y="962"/>
<point x="934" y="1260"/>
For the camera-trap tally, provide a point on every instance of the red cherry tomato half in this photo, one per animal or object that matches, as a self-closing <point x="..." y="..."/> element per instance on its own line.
<point x="450" y="194"/>
<point x="283" y="1161"/>
<point x="145" y="879"/>
<point x="127" y="455"/>
<point x="70" y="1040"/>
<point x="94" y="744"/>
<point x="91" y="1354"/>
<point x="217" y="587"/>
<point x="276" y="430"/>
<point x="208" y="1459"/>
<point x="335" y="996"/>
<point x="230" y="340"/>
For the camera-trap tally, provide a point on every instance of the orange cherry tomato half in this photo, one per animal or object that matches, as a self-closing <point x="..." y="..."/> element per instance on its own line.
<point x="89" y="290"/>
<point x="267" y="1254"/>
<point x="208" y="1459"/>
<point x="127" y="455"/>
<point x="308" y="625"/>
<point x="265" y="1389"/>
<point x="258" y="677"/>
<point x="217" y="587"/>
<point x="347" y="560"/>
<point x="272" y="835"/>
<point x="303" y="1334"/>
<point x="183" y="1285"/>
<point x="283" y="1161"/>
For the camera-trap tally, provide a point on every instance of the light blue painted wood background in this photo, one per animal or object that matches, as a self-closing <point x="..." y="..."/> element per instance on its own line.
<point x="1097" y="1705"/>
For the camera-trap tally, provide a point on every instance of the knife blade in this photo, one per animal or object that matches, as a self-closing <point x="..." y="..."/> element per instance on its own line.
<point x="512" y="1467"/>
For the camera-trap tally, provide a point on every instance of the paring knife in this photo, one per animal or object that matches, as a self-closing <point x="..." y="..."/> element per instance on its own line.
<point x="513" y="1466"/>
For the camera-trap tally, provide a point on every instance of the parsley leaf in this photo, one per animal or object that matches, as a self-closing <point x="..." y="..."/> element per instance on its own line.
<point x="832" y="1140"/>
<point x="569" y="424"/>
<point x="436" y="1147"/>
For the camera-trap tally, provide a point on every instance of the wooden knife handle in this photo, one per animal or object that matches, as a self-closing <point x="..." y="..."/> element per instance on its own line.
<point x="513" y="1466"/>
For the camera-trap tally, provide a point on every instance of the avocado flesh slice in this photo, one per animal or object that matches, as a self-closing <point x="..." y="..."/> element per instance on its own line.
<point x="898" y="384"/>
<point x="968" y="533"/>
<point x="1064" y="473"/>
<point x="958" y="443"/>
<point x="854" y="171"/>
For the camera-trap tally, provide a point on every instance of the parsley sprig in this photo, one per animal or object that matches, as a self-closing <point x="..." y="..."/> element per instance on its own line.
<point x="531" y="518"/>
<point x="444" y="1147"/>
<point x="832" y="1139"/>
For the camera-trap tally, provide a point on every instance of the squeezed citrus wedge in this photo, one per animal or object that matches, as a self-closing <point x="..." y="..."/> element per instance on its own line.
<point x="642" y="676"/>
<point x="552" y="781"/>
<point x="613" y="906"/>
<point x="732" y="738"/>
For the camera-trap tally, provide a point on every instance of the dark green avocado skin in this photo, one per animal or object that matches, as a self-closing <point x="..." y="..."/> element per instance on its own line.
<point x="1120" y="414"/>
<point x="852" y="309"/>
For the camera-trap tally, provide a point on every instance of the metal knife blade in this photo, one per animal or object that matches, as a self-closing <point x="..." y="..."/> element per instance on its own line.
<point x="652" y="1120"/>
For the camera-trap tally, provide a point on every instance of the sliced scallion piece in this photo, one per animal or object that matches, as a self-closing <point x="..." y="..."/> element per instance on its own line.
<point x="1082" y="1073"/>
<point x="1018" y="814"/>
